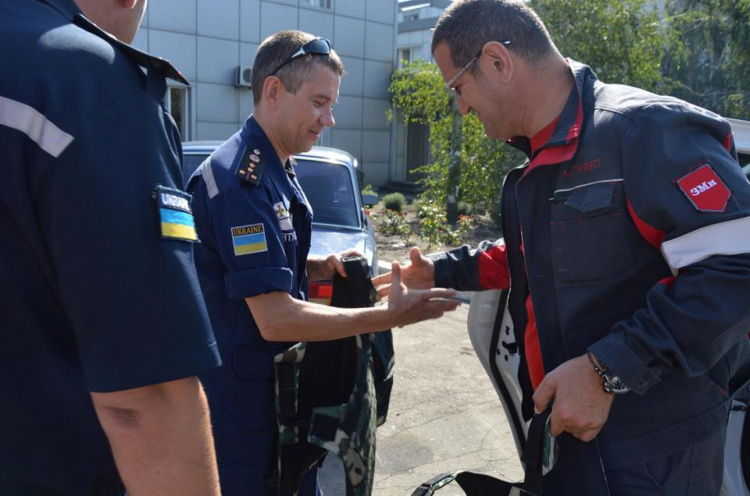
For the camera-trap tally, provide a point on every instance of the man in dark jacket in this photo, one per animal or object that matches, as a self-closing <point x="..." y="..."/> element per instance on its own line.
<point x="626" y="250"/>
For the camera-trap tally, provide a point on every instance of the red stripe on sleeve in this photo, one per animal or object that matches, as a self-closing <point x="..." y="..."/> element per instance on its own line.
<point x="493" y="268"/>
<point x="649" y="233"/>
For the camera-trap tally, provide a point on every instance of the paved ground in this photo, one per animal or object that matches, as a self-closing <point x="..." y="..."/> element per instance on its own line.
<point x="444" y="415"/>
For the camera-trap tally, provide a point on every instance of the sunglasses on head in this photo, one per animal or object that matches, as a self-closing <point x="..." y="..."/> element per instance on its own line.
<point x="318" y="46"/>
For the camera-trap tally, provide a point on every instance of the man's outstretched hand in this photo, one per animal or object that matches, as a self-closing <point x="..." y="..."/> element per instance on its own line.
<point x="411" y="305"/>
<point x="419" y="273"/>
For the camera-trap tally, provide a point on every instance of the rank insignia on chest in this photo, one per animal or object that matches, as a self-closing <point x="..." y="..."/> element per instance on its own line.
<point x="175" y="215"/>
<point x="251" y="166"/>
<point x="249" y="239"/>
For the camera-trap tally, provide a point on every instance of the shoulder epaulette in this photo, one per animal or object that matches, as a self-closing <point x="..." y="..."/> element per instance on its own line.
<point x="141" y="58"/>
<point x="251" y="166"/>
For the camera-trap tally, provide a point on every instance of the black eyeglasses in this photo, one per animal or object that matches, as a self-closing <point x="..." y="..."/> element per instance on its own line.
<point x="318" y="46"/>
<point x="456" y="91"/>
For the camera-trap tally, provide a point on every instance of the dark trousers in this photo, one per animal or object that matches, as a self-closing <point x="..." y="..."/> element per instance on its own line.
<point x="697" y="471"/>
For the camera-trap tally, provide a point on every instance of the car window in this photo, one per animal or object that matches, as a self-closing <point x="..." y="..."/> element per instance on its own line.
<point x="329" y="189"/>
<point x="745" y="163"/>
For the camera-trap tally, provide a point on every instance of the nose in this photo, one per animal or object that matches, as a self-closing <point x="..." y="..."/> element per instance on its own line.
<point x="462" y="107"/>
<point x="326" y="118"/>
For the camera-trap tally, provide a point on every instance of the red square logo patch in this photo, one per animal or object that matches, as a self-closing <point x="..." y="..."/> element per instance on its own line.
<point x="705" y="189"/>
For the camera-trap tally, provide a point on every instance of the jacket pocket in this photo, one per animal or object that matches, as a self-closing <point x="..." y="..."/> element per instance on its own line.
<point x="589" y="235"/>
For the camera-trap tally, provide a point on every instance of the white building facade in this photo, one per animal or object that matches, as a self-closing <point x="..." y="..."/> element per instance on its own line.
<point x="212" y="42"/>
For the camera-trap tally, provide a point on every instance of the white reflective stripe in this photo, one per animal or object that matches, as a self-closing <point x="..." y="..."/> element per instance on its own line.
<point x="726" y="238"/>
<point x="604" y="181"/>
<point x="208" y="176"/>
<point x="29" y="121"/>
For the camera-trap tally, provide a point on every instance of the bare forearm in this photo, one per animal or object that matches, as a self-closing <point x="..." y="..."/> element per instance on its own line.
<point x="161" y="438"/>
<point x="296" y="320"/>
<point x="283" y="318"/>
<point x="316" y="269"/>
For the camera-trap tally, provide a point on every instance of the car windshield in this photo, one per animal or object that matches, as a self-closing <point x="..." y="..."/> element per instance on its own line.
<point x="329" y="189"/>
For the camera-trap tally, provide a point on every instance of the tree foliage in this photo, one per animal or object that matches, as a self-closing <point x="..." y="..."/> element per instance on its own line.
<point x="621" y="40"/>
<point x="463" y="161"/>
<point x="708" y="59"/>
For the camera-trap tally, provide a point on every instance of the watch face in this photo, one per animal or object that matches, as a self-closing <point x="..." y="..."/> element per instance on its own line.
<point x="617" y="386"/>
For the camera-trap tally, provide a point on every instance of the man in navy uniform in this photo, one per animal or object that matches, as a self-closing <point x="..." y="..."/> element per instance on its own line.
<point x="104" y="329"/>
<point x="254" y="224"/>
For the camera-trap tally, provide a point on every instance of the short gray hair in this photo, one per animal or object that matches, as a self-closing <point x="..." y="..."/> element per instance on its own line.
<point x="276" y="50"/>
<point x="466" y="25"/>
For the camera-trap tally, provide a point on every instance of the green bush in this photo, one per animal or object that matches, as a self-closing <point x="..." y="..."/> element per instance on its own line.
<point x="464" y="208"/>
<point x="394" y="201"/>
<point x="367" y="190"/>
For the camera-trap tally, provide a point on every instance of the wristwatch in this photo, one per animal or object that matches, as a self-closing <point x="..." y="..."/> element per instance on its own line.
<point x="612" y="383"/>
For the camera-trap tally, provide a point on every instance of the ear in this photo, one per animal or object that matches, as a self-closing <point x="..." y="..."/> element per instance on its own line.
<point x="498" y="61"/>
<point x="272" y="89"/>
<point x="129" y="4"/>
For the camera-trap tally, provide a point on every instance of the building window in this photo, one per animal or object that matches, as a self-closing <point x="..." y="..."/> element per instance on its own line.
<point x="177" y="104"/>
<point x="321" y="4"/>
<point x="404" y="56"/>
<point x="411" y="17"/>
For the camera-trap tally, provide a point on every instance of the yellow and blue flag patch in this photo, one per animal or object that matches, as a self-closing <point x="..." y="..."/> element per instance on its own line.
<point x="249" y="239"/>
<point x="175" y="215"/>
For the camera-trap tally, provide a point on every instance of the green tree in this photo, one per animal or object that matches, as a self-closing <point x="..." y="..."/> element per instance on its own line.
<point x="621" y="40"/>
<point x="708" y="60"/>
<point x="463" y="159"/>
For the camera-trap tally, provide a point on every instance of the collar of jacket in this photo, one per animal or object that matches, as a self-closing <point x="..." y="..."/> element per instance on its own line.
<point x="563" y="143"/>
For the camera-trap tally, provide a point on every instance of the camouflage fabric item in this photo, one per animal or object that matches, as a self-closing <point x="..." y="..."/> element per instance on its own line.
<point x="354" y="439"/>
<point x="328" y="398"/>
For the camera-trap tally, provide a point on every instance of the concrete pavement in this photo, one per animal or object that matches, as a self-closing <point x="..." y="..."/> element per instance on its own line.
<point x="444" y="415"/>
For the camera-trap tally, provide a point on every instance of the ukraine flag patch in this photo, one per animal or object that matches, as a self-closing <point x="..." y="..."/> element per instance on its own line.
<point x="175" y="214"/>
<point x="249" y="239"/>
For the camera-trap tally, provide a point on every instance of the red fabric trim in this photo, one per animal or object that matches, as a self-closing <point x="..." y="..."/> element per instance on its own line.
<point x="667" y="281"/>
<point x="493" y="268"/>
<point x="553" y="155"/>
<point x="651" y="234"/>
<point x="533" y="348"/>
<point x="728" y="141"/>
<point x="542" y="137"/>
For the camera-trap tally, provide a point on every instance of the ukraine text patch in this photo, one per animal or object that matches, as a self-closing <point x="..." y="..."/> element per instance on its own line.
<point x="705" y="189"/>
<point x="175" y="215"/>
<point x="247" y="240"/>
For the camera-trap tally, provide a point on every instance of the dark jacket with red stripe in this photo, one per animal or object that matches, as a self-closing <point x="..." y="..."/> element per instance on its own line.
<point x="630" y="229"/>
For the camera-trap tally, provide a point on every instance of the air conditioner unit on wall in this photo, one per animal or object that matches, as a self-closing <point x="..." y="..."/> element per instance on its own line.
<point x="243" y="76"/>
